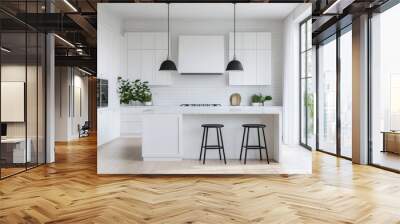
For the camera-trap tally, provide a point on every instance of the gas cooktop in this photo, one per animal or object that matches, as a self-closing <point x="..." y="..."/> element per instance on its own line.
<point x="201" y="105"/>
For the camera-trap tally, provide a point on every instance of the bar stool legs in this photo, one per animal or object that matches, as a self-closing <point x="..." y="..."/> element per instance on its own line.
<point x="204" y="142"/>
<point x="222" y="142"/>
<point x="246" y="146"/>
<point x="265" y="143"/>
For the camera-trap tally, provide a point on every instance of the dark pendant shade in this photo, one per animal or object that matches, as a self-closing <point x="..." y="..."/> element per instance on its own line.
<point x="234" y="65"/>
<point x="168" y="65"/>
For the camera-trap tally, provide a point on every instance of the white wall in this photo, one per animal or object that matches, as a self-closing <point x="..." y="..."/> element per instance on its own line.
<point x="212" y="88"/>
<point x="109" y="66"/>
<point x="66" y="119"/>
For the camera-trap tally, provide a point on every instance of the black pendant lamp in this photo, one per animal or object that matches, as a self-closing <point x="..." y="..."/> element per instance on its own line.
<point x="168" y="64"/>
<point x="234" y="65"/>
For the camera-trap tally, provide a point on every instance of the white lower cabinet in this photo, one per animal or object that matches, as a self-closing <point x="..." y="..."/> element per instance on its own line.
<point x="160" y="139"/>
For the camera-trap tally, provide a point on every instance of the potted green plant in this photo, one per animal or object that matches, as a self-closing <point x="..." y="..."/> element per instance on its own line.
<point x="147" y="99"/>
<point x="257" y="100"/>
<point x="133" y="92"/>
<point x="125" y="91"/>
<point x="267" y="101"/>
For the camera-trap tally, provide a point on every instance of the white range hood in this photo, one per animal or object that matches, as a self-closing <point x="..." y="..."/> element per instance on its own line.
<point x="201" y="54"/>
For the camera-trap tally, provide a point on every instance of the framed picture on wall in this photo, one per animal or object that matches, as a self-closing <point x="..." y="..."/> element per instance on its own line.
<point x="102" y="93"/>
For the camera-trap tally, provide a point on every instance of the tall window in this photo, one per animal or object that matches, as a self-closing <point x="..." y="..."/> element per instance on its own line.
<point x="327" y="96"/>
<point x="346" y="92"/>
<point x="335" y="94"/>
<point x="385" y="89"/>
<point x="307" y="102"/>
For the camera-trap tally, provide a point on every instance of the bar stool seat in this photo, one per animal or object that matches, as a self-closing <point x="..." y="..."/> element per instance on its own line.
<point x="246" y="145"/>
<point x="212" y="125"/>
<point x="254" y="125"/>
<point x="204" y="141"/>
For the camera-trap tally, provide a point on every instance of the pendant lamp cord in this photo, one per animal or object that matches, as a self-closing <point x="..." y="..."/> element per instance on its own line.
<point x="234" y="31"/>
<point x="168" y="31"/>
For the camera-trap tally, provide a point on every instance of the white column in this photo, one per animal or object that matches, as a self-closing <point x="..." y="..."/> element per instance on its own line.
<point x="360" y="90"/>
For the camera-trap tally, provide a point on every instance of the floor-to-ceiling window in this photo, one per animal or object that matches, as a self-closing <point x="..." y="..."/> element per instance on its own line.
<point x="385" y="89"/>
<point x="327" y="95"/>
<point x="346" y="95"/>
<point x="307" y="87"/>
<point x="334" y="60"/>
<point x="22" y="77"/>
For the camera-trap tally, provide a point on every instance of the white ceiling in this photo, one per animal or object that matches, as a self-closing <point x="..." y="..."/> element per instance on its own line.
<point x="201" y="10"/>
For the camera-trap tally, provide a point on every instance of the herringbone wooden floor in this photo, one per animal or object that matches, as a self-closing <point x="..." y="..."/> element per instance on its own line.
<point x="70" y="191"/>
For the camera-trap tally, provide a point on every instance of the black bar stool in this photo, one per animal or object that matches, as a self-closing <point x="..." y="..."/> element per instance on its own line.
<point x="204" y="144"/>
<point x="247" y="128"/>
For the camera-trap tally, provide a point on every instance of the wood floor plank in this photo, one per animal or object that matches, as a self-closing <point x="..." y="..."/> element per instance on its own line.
<point x="70" y="191"/>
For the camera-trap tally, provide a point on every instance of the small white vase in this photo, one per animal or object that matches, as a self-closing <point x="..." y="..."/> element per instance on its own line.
<point x="150" y="103"/>
<point x="268" y="103"/>
<point x="256" y="104"/>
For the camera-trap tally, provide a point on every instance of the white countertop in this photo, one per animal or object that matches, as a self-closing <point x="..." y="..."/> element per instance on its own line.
<point x="203" y="110"/>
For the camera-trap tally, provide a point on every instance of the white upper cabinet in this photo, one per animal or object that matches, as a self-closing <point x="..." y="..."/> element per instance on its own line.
<point x="146" y="51"/>
<point x="253" y="50"/>
<point x="147" y="40"/>
<point x="134" y="41"/>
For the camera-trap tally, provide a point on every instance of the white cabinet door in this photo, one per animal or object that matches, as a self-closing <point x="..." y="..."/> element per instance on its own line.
<point x="263" y="67"/>
<point x="134" y="64"/>
<point x="249" y="66"/>
<point x="148" y="41"/>
<point x="249" y="41"/>
<point x="236" y="77"/>
<point x="253" y="50"/>
<point x="134" y="41"/>
<point x="160" y="138"/>
<point x="146" y="51"/>
<point x="263" y="41"/>
<point x="161" y="40"/>
<point x="147" y="65"/>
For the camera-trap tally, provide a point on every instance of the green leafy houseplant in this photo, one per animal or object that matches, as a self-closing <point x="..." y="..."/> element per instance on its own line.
<point x="125" y="90"/>
<point x="267" y="98"/>
<point x="130" y="91"/>
<point x="257" y="99"/>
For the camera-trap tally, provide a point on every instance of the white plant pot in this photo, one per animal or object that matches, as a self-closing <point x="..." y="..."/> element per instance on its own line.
<point x="268" y="103"/>
<point x="256" y="104"/>
<point x="150" y="103"/>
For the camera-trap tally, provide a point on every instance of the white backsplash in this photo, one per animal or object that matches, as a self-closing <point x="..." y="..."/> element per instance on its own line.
<point x="211" y="89"/>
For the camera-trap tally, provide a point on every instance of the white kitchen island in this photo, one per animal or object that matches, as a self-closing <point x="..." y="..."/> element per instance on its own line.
<point x="174" y="133"/>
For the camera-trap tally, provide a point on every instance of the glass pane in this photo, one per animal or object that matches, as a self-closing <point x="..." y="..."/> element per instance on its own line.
<point x="309" y="63"/>
<point x="41" y="98"/>
<point x="327" y="97"/>
<point x="31" y="100"/>
<point x="346" y="94"/>
<point x="309" y="34"/>
<point x="385" y="91"/>
<point x="310" y="104"/>
<point x="13" y="87"/>
<point x="303" y="37"/>
<point x="303" y="65"/>
<point x="303" y="134"/>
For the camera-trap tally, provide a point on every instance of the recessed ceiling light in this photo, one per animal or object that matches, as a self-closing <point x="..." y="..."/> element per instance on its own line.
<point x="70" y="5"/>
<point x="64" y="40"/>
<point x="5" y="50"/>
